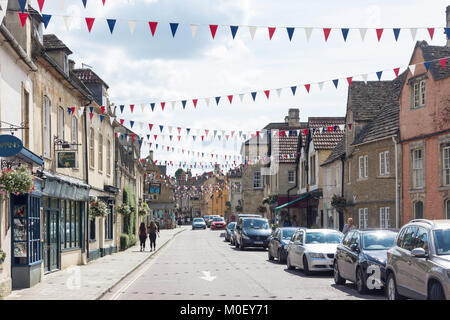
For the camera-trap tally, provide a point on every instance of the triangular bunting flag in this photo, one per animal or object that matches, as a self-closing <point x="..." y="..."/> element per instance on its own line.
<point x="184" y="103"/>
<point x="396" y="33"/>
<point x="194" y="28"/>
<point x="22" y="4"/>
<point x="290" y="32"/>
<point x="111" y="24"/>
<point x="132" y="26"/>
<point x="194" y="101"/>
<point x="293" y="89"/>
<point x="379" y="73"/>
<point x="40" y="4"/>
<point x="267" y="92"/>
<point x="131" y="107"/>
<point x="326" y="33"/>
<point x="173" y="28"/>
<point x="427" y="65"/>
<point x="241" y="97"/>
<point x="362" y="32"/>
<point x="153" y="25"/>
<point x="23" y="18"/>
<point x="413" y="33"/>
<point x="308" y="32"/>
<point x="335" y="82"/>
<point x="217" y="100"/>
<point x="163" y="104"/>
<point x="84" y="3"/>
<point x="254" y="95"/>
<point x="271" y="32"/>
<point x="345" y="33"/>
<point x="379" y="33"/>
<point x="230" y="98"/>
<point x="89" y="23"/>
<point x="46" y="19"/>
<point x="364" y="76"/>
<point x="396" y="71"/>
<point x="234" y="30"/>
<point x="443" y="61"/>
<point x="68" y="22"/>
<point x="213" y="28"/>
<point x="307" y="86"/>
<point x="349" y="80"/>
<point x="412" y="68"/>
<point x="252" y="30"/>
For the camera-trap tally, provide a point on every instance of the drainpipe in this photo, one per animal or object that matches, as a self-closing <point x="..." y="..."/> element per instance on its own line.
<point x="397" y="202"/>
<point x="341" y="226"/>
<point x="86" y="165"/>
<point x="297" y="160"/>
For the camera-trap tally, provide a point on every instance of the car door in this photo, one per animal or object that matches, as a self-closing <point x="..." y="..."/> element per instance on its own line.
<point x="402" y="261"/>
<point x="299" y="248"/>
<point x="272" y="242"/>
<point x="344" y="260"/>
<point x="291" y="247"/>
<point x="353" y="256"/>
<point x="419" y="267"/>
<point x="342" y="254"/>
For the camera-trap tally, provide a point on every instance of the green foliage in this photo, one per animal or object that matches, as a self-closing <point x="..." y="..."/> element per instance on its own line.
<point x="16" y="181"/>
<point x="124" y="241"/>
<point x="143" y="210"/>
<point x="338" y="203"/>
<point x="129" y="219"/>
<point x="2" y="256"/>
<point x="132" y="240"/>
<point x="98" y="208"/>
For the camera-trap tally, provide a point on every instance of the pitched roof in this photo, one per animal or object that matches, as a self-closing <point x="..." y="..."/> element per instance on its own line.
<point x="89" y="76"/>
<point x="366" y="100"/>
<point x="287" y="148"/>
<point x="326" y="140"/>
<point x="432" y="53"/>
<point x="337" y="152"/>
<point x="52" y="42"/>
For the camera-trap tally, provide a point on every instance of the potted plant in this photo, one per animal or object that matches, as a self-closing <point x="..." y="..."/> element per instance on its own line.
<point x="98" y="208"/>
<point x="2" y="256"/>
<point x="337" y="202"/>
<point x="123" y="209"/>
<point x="16" y="181"/>
<point x="143" y="210"/>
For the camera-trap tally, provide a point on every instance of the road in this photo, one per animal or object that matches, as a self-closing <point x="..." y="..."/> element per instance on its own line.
<point x="199" y="264"/>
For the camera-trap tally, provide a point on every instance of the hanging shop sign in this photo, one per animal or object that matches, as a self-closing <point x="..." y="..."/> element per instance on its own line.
<point x="155" y="188"/>
<point x="10" y="145"/>
<point x="67" y="159"/>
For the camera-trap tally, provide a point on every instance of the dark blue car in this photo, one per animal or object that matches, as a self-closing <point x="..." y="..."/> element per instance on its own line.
<point x="361" y="255"/>
<point x="278" y="243"/>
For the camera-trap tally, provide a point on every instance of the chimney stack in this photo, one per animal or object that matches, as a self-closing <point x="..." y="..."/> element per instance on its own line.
<point x="150" y="155"/>
<point x="294" y="116"/>
<point x="71" y="64"/>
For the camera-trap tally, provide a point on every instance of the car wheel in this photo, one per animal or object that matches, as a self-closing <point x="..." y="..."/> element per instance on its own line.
<point x="270" y="256"/>
<point x="337" y="276"/>
<point x="306" y="266"/>
<point x="288" y="263"/>
<point x="360" y="282"/>
<point x="241" y="246"/>
<point x="280" y="260"/>
<point x="436" y="292"/>
<point x="236" y="244"/>
<point x="391" y="288"/>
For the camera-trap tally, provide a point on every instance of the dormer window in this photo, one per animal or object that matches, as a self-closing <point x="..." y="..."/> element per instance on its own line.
<point x="66" y="63"/>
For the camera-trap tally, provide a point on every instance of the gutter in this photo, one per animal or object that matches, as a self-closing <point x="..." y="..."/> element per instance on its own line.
<point x="15" y="45"/>
<point x="375" y="140"/>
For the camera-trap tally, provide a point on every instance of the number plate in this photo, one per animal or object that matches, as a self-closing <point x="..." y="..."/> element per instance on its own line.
<point x="259" y="242"/>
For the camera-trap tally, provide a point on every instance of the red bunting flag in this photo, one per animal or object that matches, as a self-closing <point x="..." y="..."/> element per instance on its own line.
<point x="40" y="4"/>
<point x="153" y="26"/>
<point x="91" y="115"/>
<point x="73" y="110"/>
<point x="115" y="133"/>
<point x="349" y="80"/>
<point x="23" y="18"/>
<point x="213" y="28"/>
<point x="431" y="32"/>
<point x="179" y="137"/>
<point x="203" y="137"/>
<point x="230" y="97"/>
<point x="89" y="23"/>
<point x="305" y="132"/>
<point x="121" y="121"/>
<point x="232" y="133"/>
<point x="396" y="71"/>
<point x="379" y="33"/>
<point x="132" y="107"/>
<point x="206" y="132"/>
<point x="150" y="125"/>
<point x="443" y="62"/>
<point x="271" y="32"/>
<point x="267" y="92"/>
<point x="194" y="101"/>
<point x="103" y="2"/>
<point x="103" y="109"/>
<point x="156" y="136"/>
<point x="163" y="104"/>
<point x="307" y="86"/>
<point x="132" y="136"/>
<point x="179" y="130"/>
<point x="326" y="33"/>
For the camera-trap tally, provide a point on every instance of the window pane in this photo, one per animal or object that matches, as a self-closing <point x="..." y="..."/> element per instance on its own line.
<point x="63" y="225"/>
<point x="421" y="239"/>
<point x="418" y="210"/>
<point x="72" y="223"/>
<point x="66" y="204"/>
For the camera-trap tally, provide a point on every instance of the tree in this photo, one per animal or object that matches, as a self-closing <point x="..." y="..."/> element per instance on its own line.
<point x="179" y="173"/>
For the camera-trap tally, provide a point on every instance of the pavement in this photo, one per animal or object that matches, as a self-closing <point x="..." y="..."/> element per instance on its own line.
<point x="92" y="281"/>
<point x="200" y="265"/>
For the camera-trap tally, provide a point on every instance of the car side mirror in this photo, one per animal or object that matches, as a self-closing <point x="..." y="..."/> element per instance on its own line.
<point x="297" y="242"/>
<point x="354" y="247"/>
<point x="419" y="253"/>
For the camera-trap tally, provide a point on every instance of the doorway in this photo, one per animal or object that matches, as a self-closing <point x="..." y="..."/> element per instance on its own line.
<point x="51" y="235"/>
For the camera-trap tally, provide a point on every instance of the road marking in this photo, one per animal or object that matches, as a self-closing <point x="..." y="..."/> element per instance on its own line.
<point x="207" y="276"/>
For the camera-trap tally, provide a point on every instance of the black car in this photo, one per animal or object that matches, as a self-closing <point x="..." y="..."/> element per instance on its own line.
<point x="252" y="232"/>
<point x="359" y="250"/>
<point x="278" y="243"/>
<point x="229" y="230"/>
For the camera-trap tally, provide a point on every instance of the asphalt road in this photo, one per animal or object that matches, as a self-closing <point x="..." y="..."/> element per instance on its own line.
<point x="201" y="265"/>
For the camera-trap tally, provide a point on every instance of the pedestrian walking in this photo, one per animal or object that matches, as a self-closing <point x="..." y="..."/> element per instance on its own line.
<point x="142" y="236"/>
<point x="348" y="226"/>
<point x="152" y="232"/>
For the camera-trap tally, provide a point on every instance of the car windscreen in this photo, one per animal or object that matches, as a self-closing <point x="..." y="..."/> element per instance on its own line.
<point x="198" y="220"/>
<point x="218" y="219"/>
<point x="256" y="224"/>
<point x="323" y="237"/>
<point x="287" y="234"/>
<point x="231" y="225"/>
<point x="378" y="240"/>
<point x="442" y="241"/>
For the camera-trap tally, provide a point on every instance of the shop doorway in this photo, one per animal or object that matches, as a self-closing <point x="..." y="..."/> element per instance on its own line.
<point x="51" y="235"/>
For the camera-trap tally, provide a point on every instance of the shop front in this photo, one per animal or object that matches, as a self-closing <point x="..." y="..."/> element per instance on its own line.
<point x="304" y="208"/>
<point x="63" y="205"/>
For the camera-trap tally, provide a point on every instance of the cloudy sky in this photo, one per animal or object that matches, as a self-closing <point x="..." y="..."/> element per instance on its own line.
<point x="140" y="68"/>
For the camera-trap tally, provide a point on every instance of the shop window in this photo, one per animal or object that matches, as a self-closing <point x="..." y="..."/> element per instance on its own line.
<point x="418" y="210"/>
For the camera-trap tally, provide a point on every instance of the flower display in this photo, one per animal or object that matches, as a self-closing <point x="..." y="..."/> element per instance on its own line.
<point x="123" y="209"/>
<point x="16" y="181"/>
<point x="98" y="208"/>
<point x="143" y="210"/>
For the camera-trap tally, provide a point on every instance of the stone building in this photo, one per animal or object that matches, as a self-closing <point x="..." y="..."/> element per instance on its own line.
<point x="425" y="134"/>
<point x="234" y="177"/>
<point x="215" y="194"/>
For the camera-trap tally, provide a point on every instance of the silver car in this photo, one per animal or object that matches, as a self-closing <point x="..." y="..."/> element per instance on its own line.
<point x="418" y="266"/>
<point x="313" y="249"/>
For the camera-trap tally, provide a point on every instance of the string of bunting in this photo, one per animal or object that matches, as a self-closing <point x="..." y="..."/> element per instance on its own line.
<point x="233" y="29"/>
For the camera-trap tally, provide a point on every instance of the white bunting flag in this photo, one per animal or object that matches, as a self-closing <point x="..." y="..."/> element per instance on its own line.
<point x="80" y="111"/>
<point x="308" y="32"/>
<point x="412" y="68"/>
<point x="279" y="92"/>
<point x="61" y="3"/>
<point x="207" y="101"/>
<point x="413" y="33"/>
<point x="111" y="120"/>
<point x="194" y="28"/>
<point x="132" y="25"/>
<point x="252" y="30"/>
<point x="173" y="104"/>
<point x="321" y="85"/>
<point x="142" y="107"/>
<point x="363" y="32"/>
<point x="68" y="22"/>
<point x="364" y="76"/>
<point x="241" y="96"/>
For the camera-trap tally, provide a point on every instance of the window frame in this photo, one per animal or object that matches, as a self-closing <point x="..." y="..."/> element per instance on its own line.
<point x="415" y="170"/>
<point x="312" y="170"/>
<point x="291" y="176"/>
<point x="365" y="215"/>
<point x="257" y="179"/>
<point x="61" y="116"/>
<point x="100" y="153"/>
<point x="385" y="215"/>
<point x="91" y="148"/>
<point x="446" y="175"/>
<point x="47" y="127"/>
<point x="415" y="210"/>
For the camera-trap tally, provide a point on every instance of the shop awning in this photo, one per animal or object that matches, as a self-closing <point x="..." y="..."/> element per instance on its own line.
<point x="293" y="201"/>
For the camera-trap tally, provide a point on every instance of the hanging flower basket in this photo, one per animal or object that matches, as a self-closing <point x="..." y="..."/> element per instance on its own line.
<point x="2" y="256"/>
<point x="143" y="210"/>
<point x="123" y="209"/>
<point x="98" y="208"/>
<point x="338" y="203"/>
<point x="16" y="181"/>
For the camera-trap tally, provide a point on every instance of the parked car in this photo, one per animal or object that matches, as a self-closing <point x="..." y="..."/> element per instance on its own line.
<point x="358" y="250"/>
<point x="278" y="242"/>
<point x="418" y="265"/>
<point x="252" y="232"/>
<point x="210" y="219"/>
<point x="313" y="249"/>
<point x="229" y="230"/>
<point x="233" y="235"/>
<point x="198" y="223"/>
<point x="218" y="223"/>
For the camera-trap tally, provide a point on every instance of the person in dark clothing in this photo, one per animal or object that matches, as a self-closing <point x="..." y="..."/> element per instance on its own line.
<point x="142" y="236"/>
<point x="152" y="232"/>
